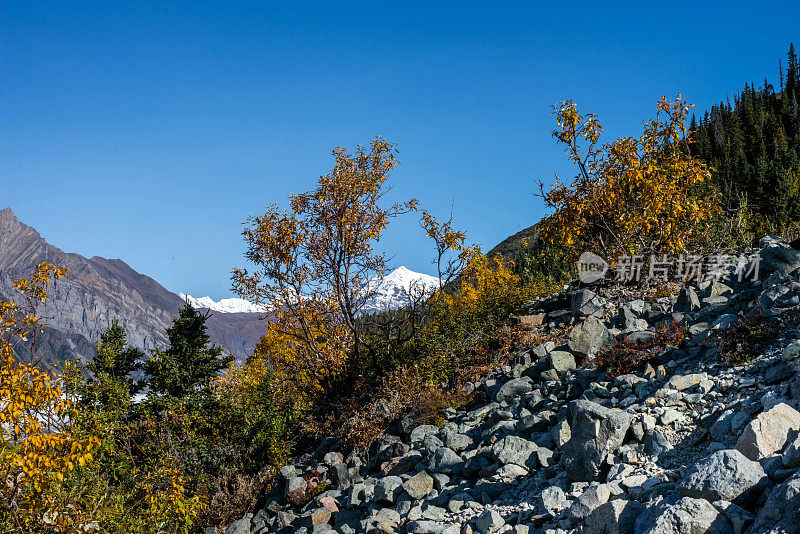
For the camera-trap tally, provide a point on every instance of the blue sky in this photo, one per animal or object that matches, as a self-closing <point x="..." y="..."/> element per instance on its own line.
<point x="149" y="131"/>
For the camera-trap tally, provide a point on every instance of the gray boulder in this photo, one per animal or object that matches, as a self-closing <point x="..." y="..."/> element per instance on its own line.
<point x="593" y="497"/>
<point x="514" y="388"/>
<point x="614" y="517"/>
<point x="596" y="432"/>
<point x="388" y="489"/>
<point x="590" y="337"/>
<point x="684" y="516"/>
<point x="688" y="301"/>
<point x="447" y="461"/>
<point x="724" y="475"/>
<point x="515" y="450"/>
<point x="782" y="506"/>
<point x="586" y="302"/>
<point x="419" y="486"/>
<point x="489" y="521"/>
<point x="769" y="432"/>
<point x="551" y="501"/>
<point x="561" y="361"/>
<point x="772" y="259"/>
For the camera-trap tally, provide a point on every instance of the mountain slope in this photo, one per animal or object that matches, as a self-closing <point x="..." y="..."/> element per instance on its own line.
<point x="98" y="290"/>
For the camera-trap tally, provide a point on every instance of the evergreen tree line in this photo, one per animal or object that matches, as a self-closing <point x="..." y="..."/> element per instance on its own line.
<point x="753" y="144"/>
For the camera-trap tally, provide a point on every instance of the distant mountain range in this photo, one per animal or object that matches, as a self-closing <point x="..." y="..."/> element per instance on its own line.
<point x="97" y="290"/>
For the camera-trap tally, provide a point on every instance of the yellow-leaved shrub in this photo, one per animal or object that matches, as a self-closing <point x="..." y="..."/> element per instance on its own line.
<point x="40" y="450"/>
<point x="633" y="195"/>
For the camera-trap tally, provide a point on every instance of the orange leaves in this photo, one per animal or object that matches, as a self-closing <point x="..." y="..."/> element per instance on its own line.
<point x="645" y="195"/>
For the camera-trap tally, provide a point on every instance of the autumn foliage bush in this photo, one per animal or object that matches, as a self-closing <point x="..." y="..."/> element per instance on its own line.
<point x="633" y="195"/>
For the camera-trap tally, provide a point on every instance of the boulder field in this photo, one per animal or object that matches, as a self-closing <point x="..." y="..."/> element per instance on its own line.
<point x="687" y="444"/>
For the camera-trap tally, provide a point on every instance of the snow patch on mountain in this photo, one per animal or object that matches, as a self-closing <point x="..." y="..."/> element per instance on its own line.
<point x="397" y="289"/>
<point x="393" y="291"/>
<point x="233" y="305"/>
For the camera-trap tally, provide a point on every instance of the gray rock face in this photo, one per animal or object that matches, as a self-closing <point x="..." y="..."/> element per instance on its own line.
<point x="588" y="502"/>
<point x="98" y="290"/>
<point x="586" y="302"/>
<point x="614" y="517"/>
<point x="447" y="461"/>
<point x="241" y="526"/>
<point x="388" y="489"/>
<point x="686" y="516"/>
<point x="791" y="457"/>
<point x="596" y="431"/>
<point x="551" y="500"/>
<point x="724" y="475"/>
<point x="769" y="432"/>
<point x="589" y="337"/>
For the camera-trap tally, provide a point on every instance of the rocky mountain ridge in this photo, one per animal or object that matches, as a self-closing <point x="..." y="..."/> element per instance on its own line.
<point x="98" y="290"/>
<point x="686" y="444"/>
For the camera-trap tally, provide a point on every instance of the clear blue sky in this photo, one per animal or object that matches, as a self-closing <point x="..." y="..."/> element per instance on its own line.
<point x="149" y="131"/>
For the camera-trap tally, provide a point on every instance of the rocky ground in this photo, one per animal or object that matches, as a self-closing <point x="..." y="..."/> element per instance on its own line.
<point x="688" y="444"/>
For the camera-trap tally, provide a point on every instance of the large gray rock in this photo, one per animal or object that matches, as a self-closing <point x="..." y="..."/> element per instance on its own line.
<point x="724" y="475"/>
<point x="419" y="486"/>
<point x="684" y="516"/>
<point x="514" y="388"/>
<point x="388" y="489"/>
<point x="431" y="527"/>
<point x="614" y="517"/>
<point x="791" y="457"/>
<point x="586" y="302"/>
<point x="240" y="526"/>
<point x="596" y="432"/>
<point x="447" y="461"/>
<point x="561" y="361"/>
<point x="590" y="337"/>
<point x="769" y="432"/>
<point x="774" y="259"/>
<point x="551" y="500"/>
<point x="489" y="521"/>
<point x="515" y="450"/>
<point x="589" y="500"/>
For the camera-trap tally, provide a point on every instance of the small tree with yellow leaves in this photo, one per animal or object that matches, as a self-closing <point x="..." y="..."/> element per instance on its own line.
<point x="634" y="195"/>
<point x="39" y="448"/>
<point x="314" y="263"/>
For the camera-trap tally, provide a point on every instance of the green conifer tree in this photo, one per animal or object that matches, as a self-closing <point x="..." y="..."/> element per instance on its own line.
<point x="185" y="367"/>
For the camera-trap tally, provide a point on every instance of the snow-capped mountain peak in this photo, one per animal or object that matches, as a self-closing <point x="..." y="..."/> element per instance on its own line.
<point x="233" y="305"/>
<point x="398" y="288"/>
<point x="391" y="292"/>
